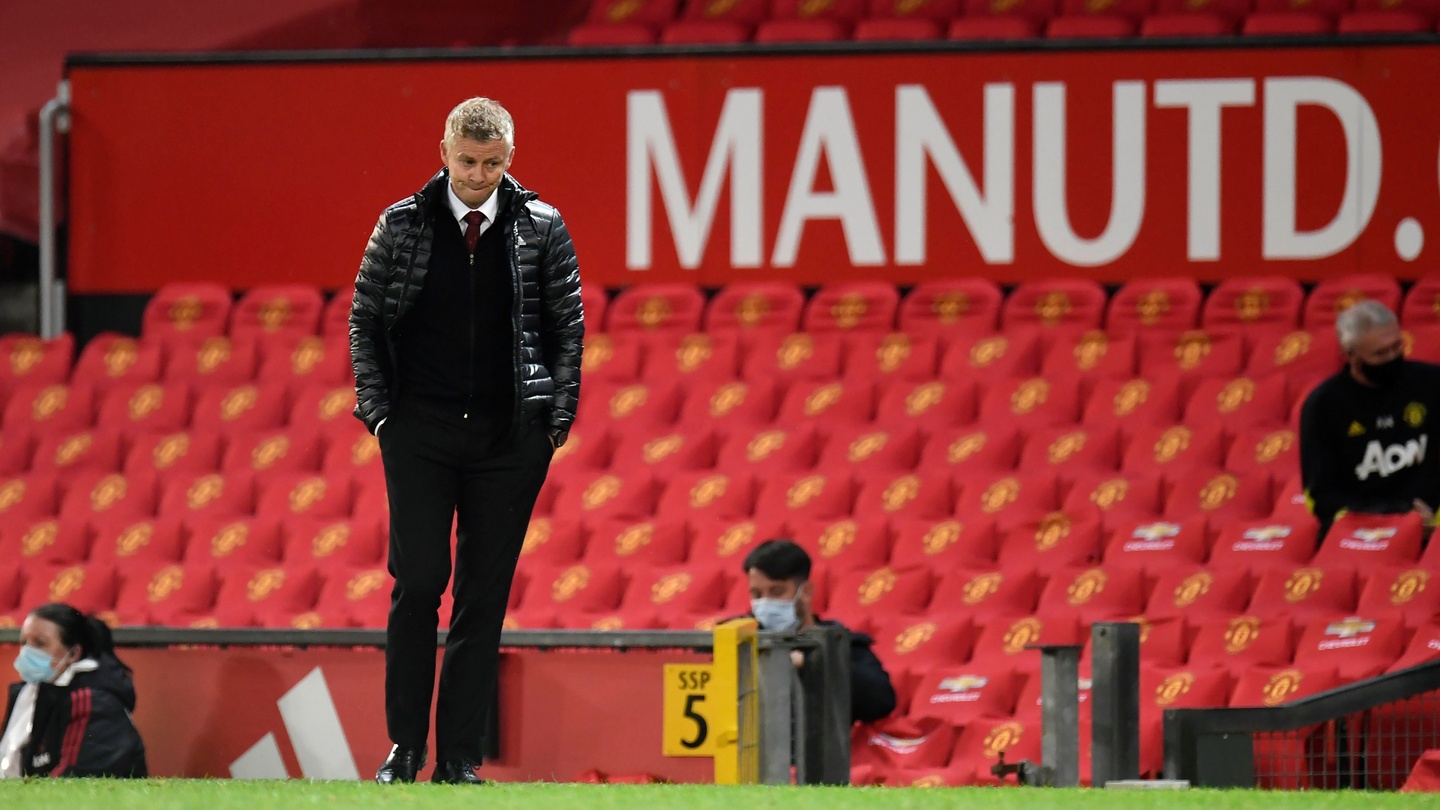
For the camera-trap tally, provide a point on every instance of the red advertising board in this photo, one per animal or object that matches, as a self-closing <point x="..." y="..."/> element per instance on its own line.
<point x="1113" y="164"/>
<point x="319" y="713"/>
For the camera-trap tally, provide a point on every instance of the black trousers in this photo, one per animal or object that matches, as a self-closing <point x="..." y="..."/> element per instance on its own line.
<point x="440" y="467"/>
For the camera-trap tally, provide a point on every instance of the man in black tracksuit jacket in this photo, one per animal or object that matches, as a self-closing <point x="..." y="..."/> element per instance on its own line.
<point x="1365" y="433"/>
<point x="465" y="337"/>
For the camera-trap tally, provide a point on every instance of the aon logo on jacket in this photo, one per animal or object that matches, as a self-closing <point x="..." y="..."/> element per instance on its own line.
<point x="1389" y="460"/>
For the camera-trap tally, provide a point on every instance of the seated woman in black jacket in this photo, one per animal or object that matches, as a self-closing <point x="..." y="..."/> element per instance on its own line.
<point x="70" y="716"/>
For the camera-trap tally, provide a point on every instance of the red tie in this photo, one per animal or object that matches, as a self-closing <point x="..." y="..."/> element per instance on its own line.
<point x="472" y="228"/>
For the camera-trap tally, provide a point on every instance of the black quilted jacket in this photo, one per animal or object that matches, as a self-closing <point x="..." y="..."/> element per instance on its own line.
<point x="548" y="319"/>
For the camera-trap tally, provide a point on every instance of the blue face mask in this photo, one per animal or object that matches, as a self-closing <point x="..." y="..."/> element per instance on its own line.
<point x="775" y="614"/>
<point x="34" y="665"/>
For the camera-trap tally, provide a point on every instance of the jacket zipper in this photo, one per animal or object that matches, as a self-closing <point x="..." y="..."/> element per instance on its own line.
<point x="517" y="315"/>
<point x="470" y="364"/>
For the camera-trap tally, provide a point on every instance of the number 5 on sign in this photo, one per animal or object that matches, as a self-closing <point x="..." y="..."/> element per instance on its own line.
<point x="688" y="726"/>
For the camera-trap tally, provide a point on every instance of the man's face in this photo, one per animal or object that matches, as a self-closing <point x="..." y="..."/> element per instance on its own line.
<point x="475" y="167"/>
<point x="763" y="587"/>
<point x="1376" y="346"/>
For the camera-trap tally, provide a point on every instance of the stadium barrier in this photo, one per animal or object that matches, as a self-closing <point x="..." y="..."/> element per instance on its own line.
<point x="254" y="703"/>
<point x="1367" y="735"/>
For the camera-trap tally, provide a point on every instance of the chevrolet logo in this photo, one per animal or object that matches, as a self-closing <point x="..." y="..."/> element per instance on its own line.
<point x="964" y="683"/>
<point x="1373" y="535"/>
<point x="1349" y="628"/>
<point x="1267" y="533"/>
<point x="1156" y="531"/>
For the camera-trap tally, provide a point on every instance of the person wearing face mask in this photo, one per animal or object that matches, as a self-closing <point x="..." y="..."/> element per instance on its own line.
<point x="778" y="572"/>
<point x="70" y="714"/>
<point x="1366" y="432"/>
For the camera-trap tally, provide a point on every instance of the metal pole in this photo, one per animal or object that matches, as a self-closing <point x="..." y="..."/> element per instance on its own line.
<point x="777" y="675"/>
<point x="1115" y="702"/>
<point x="826" y="680"/>
<point x="54" y="117"/>
<point x="1060" y="714"/>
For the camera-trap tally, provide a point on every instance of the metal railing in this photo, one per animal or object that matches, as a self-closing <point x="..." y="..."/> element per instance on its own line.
<point x="1366" y="735"/>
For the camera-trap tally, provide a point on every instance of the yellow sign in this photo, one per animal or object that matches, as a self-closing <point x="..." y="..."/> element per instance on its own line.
<point x="689" y="711"/>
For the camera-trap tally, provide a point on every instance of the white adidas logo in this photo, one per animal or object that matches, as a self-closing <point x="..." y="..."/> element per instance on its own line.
<point x="314" y="729"/>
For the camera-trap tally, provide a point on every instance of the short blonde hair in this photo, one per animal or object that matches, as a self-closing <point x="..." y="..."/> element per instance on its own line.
<point x="480" y="119"/>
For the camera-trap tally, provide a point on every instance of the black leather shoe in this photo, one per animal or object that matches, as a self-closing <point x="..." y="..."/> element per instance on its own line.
<point x="401" y="766"/>
<point x="457" y="772"/>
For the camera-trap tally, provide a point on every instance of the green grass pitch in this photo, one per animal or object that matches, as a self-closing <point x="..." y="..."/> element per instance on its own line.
<point x="163" y="794"/>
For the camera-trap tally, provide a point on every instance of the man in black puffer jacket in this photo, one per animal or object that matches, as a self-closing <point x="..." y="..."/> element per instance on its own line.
<point x="465" y="336"/>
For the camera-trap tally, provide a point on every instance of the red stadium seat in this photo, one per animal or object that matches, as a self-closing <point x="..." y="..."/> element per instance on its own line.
<point x="657" y="307"/>
<point x="896" y="30"/>
<point x="1304" y="593"/>
<point x="26" y="496"/>
<point x="1238" y="643"/>
<point x="140" y="408"/>
<point x="675" y="590"/>
<point x="1404" y="591"/>
<point x="1356" y="647"/>
<point x="1093" y="594"/>
<point x="1035" y="11"/>
<point x="1229" y="10"/>
<point x="1155" y="545"/>
<point x="932" y="405"/>
<point x="665" y="455"/>
<point x="1286" y="23"/>
<point x="1239" y="402"/>
<point x="41" y="409"/>
<point x="1335" y="295"/>
<point x="549" y="540"/>
<point x="1329" y="9"/>
<point x="1009" y="496"/>
<point x="912" y="495"/>
<point x="960" y="694"/>
<point x="1132" y="10"/>
<point x="210" y="494"/>
<point x="304" y="361"/>
<point x="1165" y="449"/>
<point x="1192" y="354"/>
<point x="943" y="545"/>
<point x="1247" y="301"/>
<point x="999" y="27"/>
<point x="335" y="319"/>
<point x="827" y="403"/>
<point x="1198" y="593"/>
<point x="333" y="542"/>
<point x="1366" y="541"/>
<point x="356" y="454"/>
<point x="976" y="449"/>
<point x="1219" y="497"/>
<point x="756" y="306"/>
<point x="1424" y="646"/>
<point x="797" y="30"/>
<point x="94" y="493"/>
<point x="1422" y="303"/>
<point x="110" y="358"/>
<point x="871" y="448"/>
<point x="891" y="356"/>
<point x="1091" y="354"/>
<point x="1098" y="27"/>
<point x="598" y="495"/>
<point x="611" y="357"/>
<point x="629" y="542"/>
<point x="294" y="494"/>
<point x="707" y="492"/>
<point x="1115" y="402"/>
<point x="1067" y="302"/>
<point x="573" y="589"/>
<point x="767" y="449"/>
<point x="1299" y="354"/>
<point x="1171" y="304"/>
<point x="228" y="542"/>
<point x="692" y="357"/>
<point x="938" y="10"/>
<point x="636" y="406"/>
<point x="794" y="496"/>
<point x="231" y="411"/>
<point x="857" y="595"/>
<point x="790" y="357"/>
<point x="1124" y="499"/>
<point x="45" y="541"/>
<point x="1265" y="544"/>
<point x="1051" y="541"/>
<point x="1004" y="641"/>
<point x="26" y="360"/>
<point x="1072" y="449"/>
<point x="1031" y="403"/>
<point x="214" y="361"/>
<point x="633" y="11"/>
<point x="278" y="309"/>
<point x="352" y="596"/>
<point x="272" y="451"/>
<point x="164" y="592"/>
<point x="984" y="593"/>
<point x="914" y="643"/>
<point x="961" y="306"/>
<point x="840" y="546"/>
<point x="125" y="541"/>
<point x="187" y="311"/>
<point x="87" y="588"/>
<point x="723" y="542"/>
<point x="324" y="409"/>
<point x="851" y="306"/>
<point x="731" y="404"/>
<point x="1014" y="354"/>
<point x="1383" y="22"/>
<point x="179" y="452"/>
<point x="1186" y="25"/>
<point x="1422" y="342"/>
<point x="611" y="33"/>
<point x="264" y="596"/>
<point x="67" y="453"/>
<point x="704" y="32"/>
